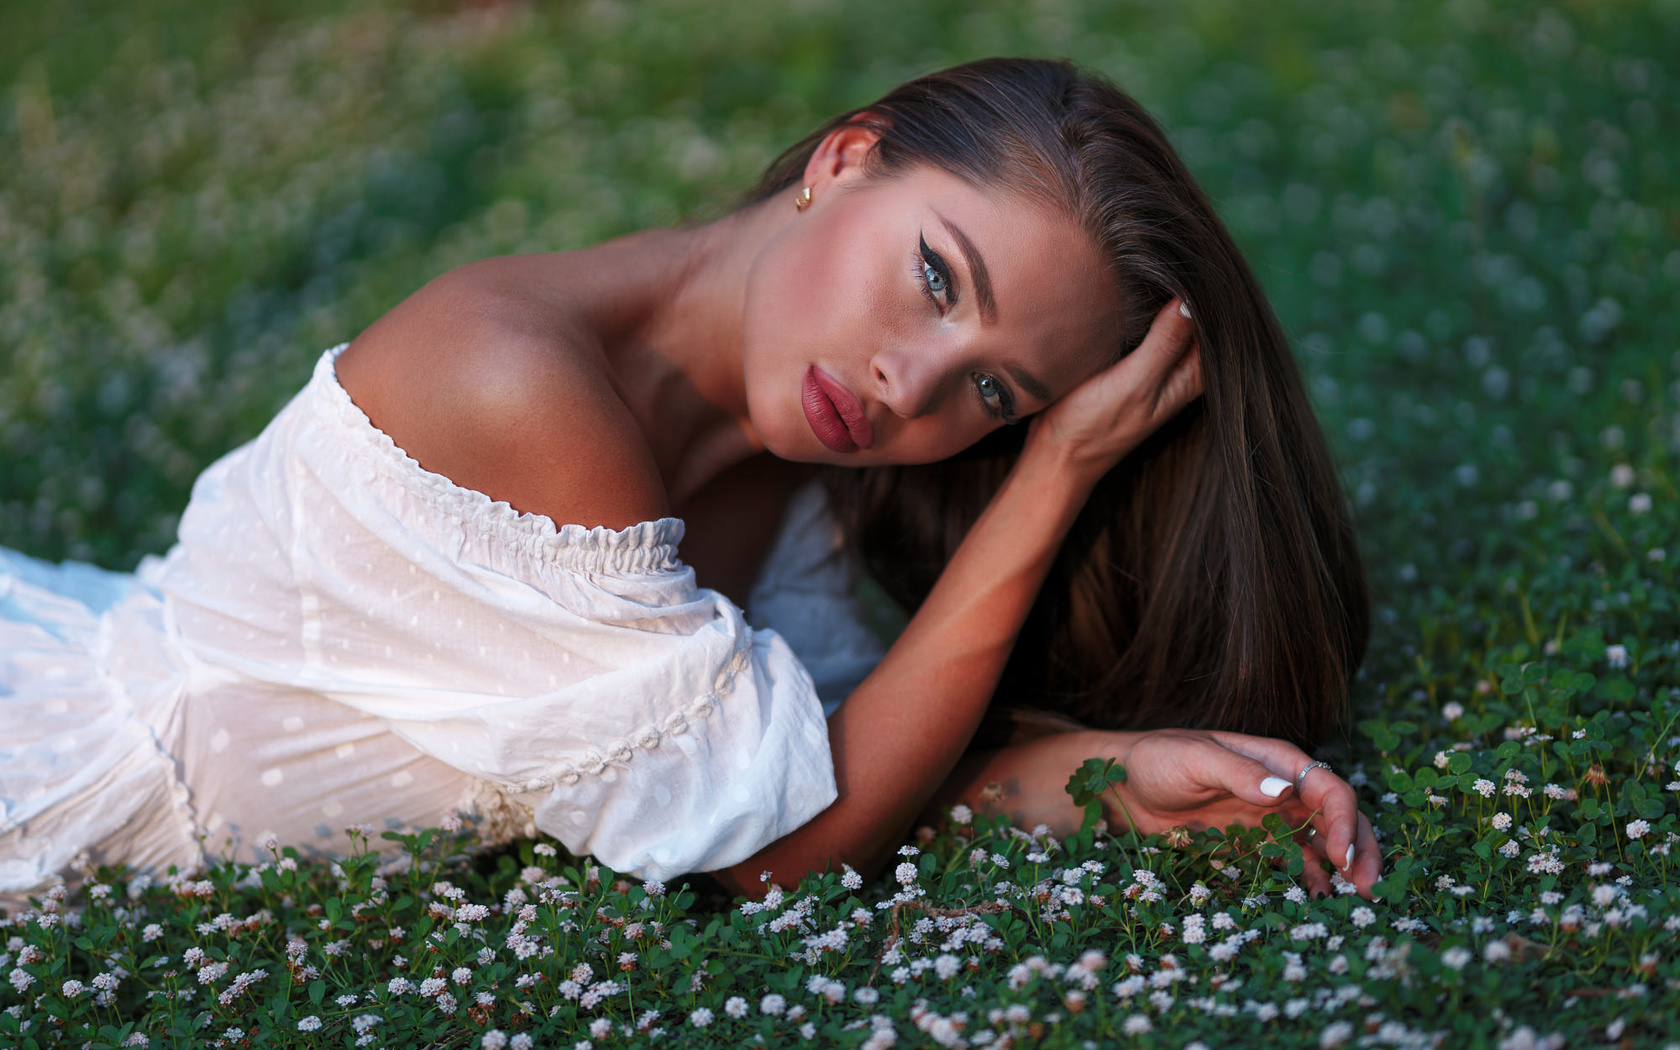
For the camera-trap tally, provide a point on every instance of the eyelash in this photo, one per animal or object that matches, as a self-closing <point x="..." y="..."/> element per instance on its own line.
<point x="926" y="258"/>
<point x="1005" y="409"/>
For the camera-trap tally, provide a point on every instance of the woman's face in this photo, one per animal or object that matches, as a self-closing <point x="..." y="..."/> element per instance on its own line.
<point x="898" y="320"/>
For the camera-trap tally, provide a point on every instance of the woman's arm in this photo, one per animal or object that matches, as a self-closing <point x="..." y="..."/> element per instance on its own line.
<point x="1188" y="778"/>
<point x="899" y="735"/>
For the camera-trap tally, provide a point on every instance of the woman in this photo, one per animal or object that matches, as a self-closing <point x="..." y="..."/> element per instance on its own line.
<point x="372" y="616"/>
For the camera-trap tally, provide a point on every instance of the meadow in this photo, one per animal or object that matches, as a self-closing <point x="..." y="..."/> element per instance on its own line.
<point x="1468" y="216"/>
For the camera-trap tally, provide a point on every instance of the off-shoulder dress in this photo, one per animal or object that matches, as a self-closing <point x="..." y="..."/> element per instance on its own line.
<point x="341" y="637"/>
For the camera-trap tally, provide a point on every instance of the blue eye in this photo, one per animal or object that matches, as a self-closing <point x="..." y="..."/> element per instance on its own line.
<point x="994" y="397"/>
<point x="935" y="277"/>
<point x="935" y="280"/>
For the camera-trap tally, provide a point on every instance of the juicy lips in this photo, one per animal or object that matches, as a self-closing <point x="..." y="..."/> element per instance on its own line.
<point x="835" y="414"/>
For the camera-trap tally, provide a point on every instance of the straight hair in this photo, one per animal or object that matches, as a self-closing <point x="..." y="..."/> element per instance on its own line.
<point x="1213" y="578"/>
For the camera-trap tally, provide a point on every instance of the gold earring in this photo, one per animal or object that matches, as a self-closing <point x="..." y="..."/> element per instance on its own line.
<point x="803" y="201"/>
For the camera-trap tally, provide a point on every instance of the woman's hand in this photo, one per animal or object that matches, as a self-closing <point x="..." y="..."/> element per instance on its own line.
<point x="1199" y="778"/>
<point x="1102" y="419"/>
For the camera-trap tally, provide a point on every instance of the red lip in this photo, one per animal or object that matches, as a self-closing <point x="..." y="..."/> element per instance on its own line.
<point x="834" y="413"/>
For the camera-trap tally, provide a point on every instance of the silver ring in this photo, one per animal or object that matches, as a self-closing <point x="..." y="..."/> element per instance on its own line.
<point x="1311" y="831"/>
<point x="1308" y="768"/>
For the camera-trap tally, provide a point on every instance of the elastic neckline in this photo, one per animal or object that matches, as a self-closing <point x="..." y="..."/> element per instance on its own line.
<point x="647" y="546"/>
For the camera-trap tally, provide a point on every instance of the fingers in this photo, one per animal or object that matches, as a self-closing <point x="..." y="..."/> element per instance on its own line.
<point x="1228" y="771"/>
<point x="1162" y="351"/>
<point x="1337" y="818"/>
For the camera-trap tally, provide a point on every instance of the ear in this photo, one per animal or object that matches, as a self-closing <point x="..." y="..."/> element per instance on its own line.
<point x="839" y="157"/>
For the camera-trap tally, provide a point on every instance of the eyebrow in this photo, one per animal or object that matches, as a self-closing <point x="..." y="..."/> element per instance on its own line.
<point x="976" y="270"/>
<point x="988" y="306"/>
<point x="1028" y="383"/>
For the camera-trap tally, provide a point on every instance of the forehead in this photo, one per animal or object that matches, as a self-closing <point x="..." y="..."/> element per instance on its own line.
<point x="1056" y="301"/>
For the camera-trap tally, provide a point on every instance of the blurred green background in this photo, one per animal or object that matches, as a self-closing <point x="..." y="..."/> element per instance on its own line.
<point x="1466" y="213"/>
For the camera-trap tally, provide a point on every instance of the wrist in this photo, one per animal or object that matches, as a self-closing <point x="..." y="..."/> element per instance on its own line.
<point x="1044" y="454"/>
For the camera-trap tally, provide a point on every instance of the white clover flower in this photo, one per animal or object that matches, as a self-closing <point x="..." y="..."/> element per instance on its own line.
<point x="735" y="1006"/>
<point x="850" y="879"/>
<point x="961" y="814"/>
<point x="1295" y="895"/>
<point x="1484" y="787"/>
<point x="772" y="1004"/>
<point x="521" y="1041"/>
<point x="1616" y="656"/>
<point x="1510" y="849"/>
<point x="1638" y="829"/>
<point x="1501" y="821"/>
<point x="1335" y="1034"/>
<point x="1621" y="476"/>
<point x="1457" y="957"/>
<point x="1137" y="1024"/>
<point x="1639" y="503"/>
<point x="1452" y="711"/>
<point x="1362" y="917"/>
<point x="494" y="1039"/>
<point x="905" y="873"/>
<point x="700" y="1018"/>
<point x="309" y="1024"/>
<point x="1496" y="952"/>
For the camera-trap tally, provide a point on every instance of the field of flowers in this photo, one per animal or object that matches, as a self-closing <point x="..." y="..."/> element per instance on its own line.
<point x="1468" y="214"/>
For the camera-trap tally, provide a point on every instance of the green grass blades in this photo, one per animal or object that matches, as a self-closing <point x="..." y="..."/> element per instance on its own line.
<point x="1466" y="214"/>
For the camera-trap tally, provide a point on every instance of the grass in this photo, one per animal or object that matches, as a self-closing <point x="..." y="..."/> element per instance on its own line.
<point x="1466" y="214"/>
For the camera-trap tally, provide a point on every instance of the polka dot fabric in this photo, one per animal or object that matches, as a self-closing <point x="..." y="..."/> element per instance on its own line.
<point x="342" y="637"/>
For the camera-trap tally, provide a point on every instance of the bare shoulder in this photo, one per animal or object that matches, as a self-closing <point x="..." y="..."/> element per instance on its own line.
<point x="497" y="392"/>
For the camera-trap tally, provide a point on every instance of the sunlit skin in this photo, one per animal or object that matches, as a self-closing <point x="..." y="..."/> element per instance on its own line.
<point x="933" y="360"/>
<point x="649" y="376"/>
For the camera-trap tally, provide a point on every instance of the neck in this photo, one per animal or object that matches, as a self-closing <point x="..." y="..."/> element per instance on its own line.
<point x="669" y="309"/>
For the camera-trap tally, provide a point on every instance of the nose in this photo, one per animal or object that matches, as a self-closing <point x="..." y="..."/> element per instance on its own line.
<point x="907" y="381"/>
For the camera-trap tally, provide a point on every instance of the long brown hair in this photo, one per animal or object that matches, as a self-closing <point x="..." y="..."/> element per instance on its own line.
<point x="1213" y="578"/>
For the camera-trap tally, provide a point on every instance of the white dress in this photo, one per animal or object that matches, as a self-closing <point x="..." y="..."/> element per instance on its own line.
<point x="341" y="637"/>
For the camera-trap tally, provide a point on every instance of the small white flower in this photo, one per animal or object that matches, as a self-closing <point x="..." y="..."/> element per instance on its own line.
<point x="851" y="879"/>
<point x="1457" y="957"/>
<point x="700" y="1018"/>
<point x="309" y="1024"/>
<point x="905" y="873"/>
<point x="1638" y="828"/>
<point x="1452" y="711"/>
<point x="1335" y="1034"/>
<point x="772" y="1004"/>
<point x="1501" y="821"/>
<point x="1137" y="1024"/>
<point x="1362" y="917"/>
<point x="1616" y="656"/>
<point x="1621" y="476"/>
<point x="1639" y="503"/>
<point x="961" y="814"/>
<point x="735" y="1006"/>
<point x="494" y="1039"/>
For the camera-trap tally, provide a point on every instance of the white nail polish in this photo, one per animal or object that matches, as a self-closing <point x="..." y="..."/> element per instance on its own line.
<point x="1183" y="311"/>
<point x="1272" y="787"/>
<point x="1349" y="863"/>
